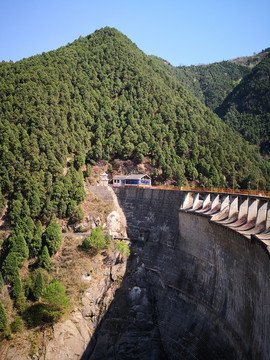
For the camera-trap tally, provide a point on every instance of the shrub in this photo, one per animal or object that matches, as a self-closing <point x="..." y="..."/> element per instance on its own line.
<point x="95" y="241"/>
<point x="108" y="240"/>
<point x="55" y="300"/>
<point x="17" y="325"/>
<point x="123" y="249"/>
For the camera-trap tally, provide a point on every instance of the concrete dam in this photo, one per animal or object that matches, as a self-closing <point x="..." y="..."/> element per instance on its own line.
<point x="198" y="286"/>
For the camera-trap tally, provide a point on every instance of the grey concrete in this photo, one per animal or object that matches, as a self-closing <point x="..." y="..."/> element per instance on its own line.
<point x="202" y="288"/>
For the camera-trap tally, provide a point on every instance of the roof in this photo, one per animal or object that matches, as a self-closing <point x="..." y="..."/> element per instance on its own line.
<point x="132" y="176"/>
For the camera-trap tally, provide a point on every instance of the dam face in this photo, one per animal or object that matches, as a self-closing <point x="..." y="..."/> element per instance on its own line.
<point x="209" y="285"/>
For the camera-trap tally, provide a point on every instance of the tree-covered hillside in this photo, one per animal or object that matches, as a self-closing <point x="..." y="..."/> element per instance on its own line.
<point x="102" y="98"/>
<point x="247" y="107"/>
<point x="209" y="83"/>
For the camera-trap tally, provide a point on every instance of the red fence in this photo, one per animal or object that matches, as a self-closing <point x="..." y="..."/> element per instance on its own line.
<point x="214" y="189"/>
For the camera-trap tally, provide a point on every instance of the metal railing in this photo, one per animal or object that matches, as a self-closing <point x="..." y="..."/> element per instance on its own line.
<point x="214" y="189"/>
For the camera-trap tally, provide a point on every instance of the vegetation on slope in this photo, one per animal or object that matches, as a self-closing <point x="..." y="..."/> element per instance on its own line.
<point x="209" y="83"/>
<point x="247" y="107"/>
<point x="102" y="98"/>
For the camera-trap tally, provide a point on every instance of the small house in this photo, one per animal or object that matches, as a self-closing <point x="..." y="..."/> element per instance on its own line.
<point x="132" y="180"/>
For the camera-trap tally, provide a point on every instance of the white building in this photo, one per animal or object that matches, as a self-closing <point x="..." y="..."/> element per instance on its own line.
<point x="132" y="180"/>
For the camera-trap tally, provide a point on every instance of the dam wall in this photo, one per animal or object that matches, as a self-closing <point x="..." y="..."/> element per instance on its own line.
<point x="210" y="283"/>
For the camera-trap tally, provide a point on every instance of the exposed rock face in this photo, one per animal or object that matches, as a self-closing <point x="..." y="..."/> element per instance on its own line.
<point x="71" y="337"/>
<point x="116" y="220"/>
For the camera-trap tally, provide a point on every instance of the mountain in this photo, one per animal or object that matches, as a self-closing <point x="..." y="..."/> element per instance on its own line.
<point x="209" y="83"/>
<point x="213" y="82"/>
<point x="101" y="97"/>
<point x="247" y="108"/>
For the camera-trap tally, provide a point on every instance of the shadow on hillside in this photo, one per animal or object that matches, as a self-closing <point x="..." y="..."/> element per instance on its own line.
<point x="129" y="329"/>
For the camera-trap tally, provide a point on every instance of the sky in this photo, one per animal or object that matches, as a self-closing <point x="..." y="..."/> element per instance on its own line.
<point x="181" y="32"/>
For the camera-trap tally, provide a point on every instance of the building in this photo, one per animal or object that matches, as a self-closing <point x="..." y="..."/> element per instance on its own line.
<point x="132" y="180"/>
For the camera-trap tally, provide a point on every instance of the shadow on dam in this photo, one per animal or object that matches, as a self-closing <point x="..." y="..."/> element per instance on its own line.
<point x="192" y="289"/>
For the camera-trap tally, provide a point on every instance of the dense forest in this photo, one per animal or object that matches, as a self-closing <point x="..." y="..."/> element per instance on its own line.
<point x="237" y="90"/>
<point x="209" y="83"/>
<point x="102" y="98"/>
<point x="99" y="98"/>
<point x="247" y="108"/>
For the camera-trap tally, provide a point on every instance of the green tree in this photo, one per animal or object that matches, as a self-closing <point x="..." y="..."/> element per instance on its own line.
<point x="17" y="324"/>
<point x="39" y="286"/>
<point x="79" y="161"/>
<point x="3" y="318"/>
<point x="52" y="237"/>
<point x="17" y="286"/>
<point x="10" y="267"/>
<point x="20" y="248"/>
<point x="95" y="241"/>
<point x="21" y="302"/>
<point x="44" y="259"/>
<point x="78" y="214"/>
<point x="55" y="300"/>
<point x="88" y="171"/>
<point x="123" y="249"/>
<point x="36" y="243"/>
<point x="15" y="211"/>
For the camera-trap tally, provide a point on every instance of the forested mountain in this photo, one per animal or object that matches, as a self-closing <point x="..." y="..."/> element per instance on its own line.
<point x="102" y="98"/>
<point x="247" y="108"/>
<point x="209" y="83"/>
<point x="213" y="82"/>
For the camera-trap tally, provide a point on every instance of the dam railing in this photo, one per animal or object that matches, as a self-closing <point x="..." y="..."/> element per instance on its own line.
<point x="256" y="192"/>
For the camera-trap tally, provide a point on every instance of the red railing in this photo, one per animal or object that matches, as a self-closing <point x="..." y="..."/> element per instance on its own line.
<point x="213" y="189"/>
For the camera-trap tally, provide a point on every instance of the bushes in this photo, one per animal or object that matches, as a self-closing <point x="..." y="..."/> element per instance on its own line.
<point x="123" y="249"/>
<point x="55" y="301"/>
<point x="95" y="241"/>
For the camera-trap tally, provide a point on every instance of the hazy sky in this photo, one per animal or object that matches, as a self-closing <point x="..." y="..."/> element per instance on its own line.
<point x="182" y="32"/>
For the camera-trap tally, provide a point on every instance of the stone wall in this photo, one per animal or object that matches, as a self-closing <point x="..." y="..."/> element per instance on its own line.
<point x="210" y="284"/>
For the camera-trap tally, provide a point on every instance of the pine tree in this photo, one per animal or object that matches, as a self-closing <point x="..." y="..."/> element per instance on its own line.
<point x="36" y="243"/>
<point x="45" y="260"/>
<point x="21" y="302"/>
<point x="53" y="237"/>
<point x="39" y="286"/>
<point x="20" y="248"/>
<point x="54" y="296"/>
<point x="10" y="267"/>
<point x="17" y="286"/>
<point x="3" y="318"/>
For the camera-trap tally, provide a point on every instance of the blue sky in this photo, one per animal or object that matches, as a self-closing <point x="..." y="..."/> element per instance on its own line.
<point x="182" y="32"/>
